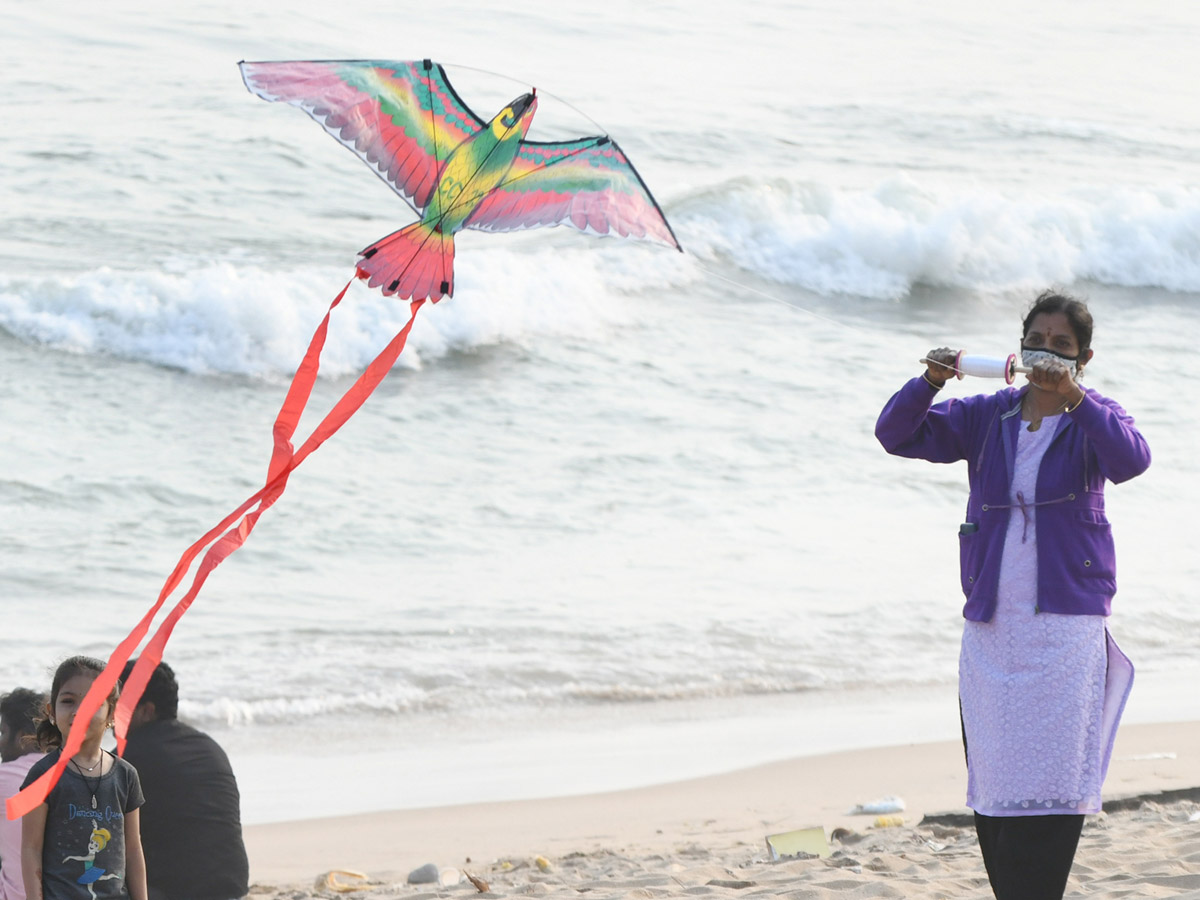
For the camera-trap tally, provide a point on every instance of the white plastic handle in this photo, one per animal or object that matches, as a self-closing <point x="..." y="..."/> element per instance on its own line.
<point x="988" y="366"/>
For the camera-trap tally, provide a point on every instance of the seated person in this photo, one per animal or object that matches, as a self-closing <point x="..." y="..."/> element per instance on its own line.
<point x="18" y="752"/>
<point x="191" y="823"/>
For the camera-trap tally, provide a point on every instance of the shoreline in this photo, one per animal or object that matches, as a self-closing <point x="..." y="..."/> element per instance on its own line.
<point x="730" y="810"/>
<point x="443" y="762"/>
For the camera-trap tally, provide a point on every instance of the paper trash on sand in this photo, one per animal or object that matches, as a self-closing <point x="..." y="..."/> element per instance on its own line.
<point x="811" y="841"/>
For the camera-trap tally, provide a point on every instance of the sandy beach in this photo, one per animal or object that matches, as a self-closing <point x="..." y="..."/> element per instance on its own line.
<point x="706" y="837"/>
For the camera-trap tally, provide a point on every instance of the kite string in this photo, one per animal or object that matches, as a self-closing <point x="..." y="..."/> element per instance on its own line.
<point x="769" y="296"/>
<point x="521" y="82"/>
<point x="604" y="133"/>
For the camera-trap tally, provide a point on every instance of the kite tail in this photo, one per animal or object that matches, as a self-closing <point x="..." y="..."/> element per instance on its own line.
<point x="283" y="461"/>
<point x="416" y="262"/>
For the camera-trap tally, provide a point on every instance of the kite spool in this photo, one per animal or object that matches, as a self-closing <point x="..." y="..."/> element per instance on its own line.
<point x="987" y="366"/>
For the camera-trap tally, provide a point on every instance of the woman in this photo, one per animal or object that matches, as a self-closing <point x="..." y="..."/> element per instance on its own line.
<point x="1041" y="682"/>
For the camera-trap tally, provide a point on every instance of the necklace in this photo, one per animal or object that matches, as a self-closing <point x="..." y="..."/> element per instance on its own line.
<point x="1035" y="421"/>
<point x="87" y="781"/>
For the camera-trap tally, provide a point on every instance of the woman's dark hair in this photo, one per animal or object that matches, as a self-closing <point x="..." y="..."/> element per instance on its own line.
<point x="20" y="707"/>
<point x="48" y="735"/>
<point x="1073" y="308"/>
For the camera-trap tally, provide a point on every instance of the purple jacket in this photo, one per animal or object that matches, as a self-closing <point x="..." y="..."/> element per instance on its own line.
<point x="1096" y="441"/>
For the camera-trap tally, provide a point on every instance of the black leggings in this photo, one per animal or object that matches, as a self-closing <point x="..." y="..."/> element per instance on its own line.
<point x="1028" y="857"/>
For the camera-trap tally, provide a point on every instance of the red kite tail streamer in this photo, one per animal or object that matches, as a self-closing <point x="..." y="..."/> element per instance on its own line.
<point x="280" y="466"/>
<point x="349" y="404"/>
<point x="283" y="462"/>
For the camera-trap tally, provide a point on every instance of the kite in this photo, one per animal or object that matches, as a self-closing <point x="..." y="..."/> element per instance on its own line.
<point x="456" y="171"/>
<point x="408" y="124"/>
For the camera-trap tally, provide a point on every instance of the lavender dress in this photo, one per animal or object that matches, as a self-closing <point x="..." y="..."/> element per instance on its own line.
<point x="1041" y="693"/>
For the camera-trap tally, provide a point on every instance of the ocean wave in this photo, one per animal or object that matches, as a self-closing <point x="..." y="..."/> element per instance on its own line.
<point x="403" y="702"/>
<point x="237" y="317"/>
<point x="241" y="319"/>
<point x="880" y="243"/>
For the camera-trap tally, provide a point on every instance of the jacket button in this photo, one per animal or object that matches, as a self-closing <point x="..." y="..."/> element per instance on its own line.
<point x="970" y="579"/>
<point x="1070" y="496"/>
<point x="985" y="507"/>
<point x="1087" y="562"/>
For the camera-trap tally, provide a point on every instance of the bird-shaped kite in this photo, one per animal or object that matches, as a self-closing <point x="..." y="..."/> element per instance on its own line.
<point x="405" y="121"/>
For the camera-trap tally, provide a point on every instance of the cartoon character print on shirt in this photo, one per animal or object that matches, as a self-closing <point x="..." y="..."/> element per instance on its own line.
<point x="91" y="872"/>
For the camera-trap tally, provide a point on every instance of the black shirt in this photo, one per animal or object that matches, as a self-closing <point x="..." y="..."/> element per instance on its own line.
<point x="191" y="822"/>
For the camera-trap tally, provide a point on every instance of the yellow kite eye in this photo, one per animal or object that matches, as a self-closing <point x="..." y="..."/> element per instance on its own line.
<point x="504" y="121"/>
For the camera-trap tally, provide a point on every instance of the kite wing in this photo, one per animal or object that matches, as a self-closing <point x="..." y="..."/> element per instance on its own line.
<point x="587" y="183"/>
<point x="402" y="119"/>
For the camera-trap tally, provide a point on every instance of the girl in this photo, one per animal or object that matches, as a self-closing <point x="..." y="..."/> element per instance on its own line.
<point x="84" y="842"/>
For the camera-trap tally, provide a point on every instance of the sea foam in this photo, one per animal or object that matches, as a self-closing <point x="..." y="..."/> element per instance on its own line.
<point x="227" y="318"/>
<point x="243" y="318"/>
<point x="879" y="243"/>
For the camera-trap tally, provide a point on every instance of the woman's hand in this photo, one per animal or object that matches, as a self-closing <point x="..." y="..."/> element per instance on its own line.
<point x="1054" y="376"/>
<point x="940" y="366"/>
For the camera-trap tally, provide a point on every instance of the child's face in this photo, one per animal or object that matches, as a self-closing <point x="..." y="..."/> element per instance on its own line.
<point x="70" y="695"/>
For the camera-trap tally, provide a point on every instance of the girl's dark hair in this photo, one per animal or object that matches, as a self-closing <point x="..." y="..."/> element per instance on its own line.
<point x="48" y="735"/>
<point x="1073" y="308"/>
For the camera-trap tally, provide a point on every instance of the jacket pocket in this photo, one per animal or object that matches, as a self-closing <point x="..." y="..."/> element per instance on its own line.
<point x="1088" y="556"/>
<point x="968" y="557"/>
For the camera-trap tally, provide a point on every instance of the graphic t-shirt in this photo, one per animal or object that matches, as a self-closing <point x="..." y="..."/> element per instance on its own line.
<point x="83" y="854"/>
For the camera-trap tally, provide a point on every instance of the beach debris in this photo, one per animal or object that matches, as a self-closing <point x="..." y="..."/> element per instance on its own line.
<point x="846" y="836"/>
<point x="542" y="863"/>
<point x="449" y="877"/>
<point x="426" y="874"/>
<point x="888" y="822"/>
<point x="790" y="844"/>
<point x="333" y="880"/>
<point x="945" y="831"/>
<point x="950" y="820"/>
<point x="480" y="885"/>
<point x="880" y="807"/>
<point x="1148" y="757"/>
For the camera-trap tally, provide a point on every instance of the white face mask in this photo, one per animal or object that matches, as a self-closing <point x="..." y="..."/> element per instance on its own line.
<point x="1030" y="356"/>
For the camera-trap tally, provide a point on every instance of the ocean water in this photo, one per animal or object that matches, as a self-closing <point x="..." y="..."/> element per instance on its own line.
<point x="618" y="515"/>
